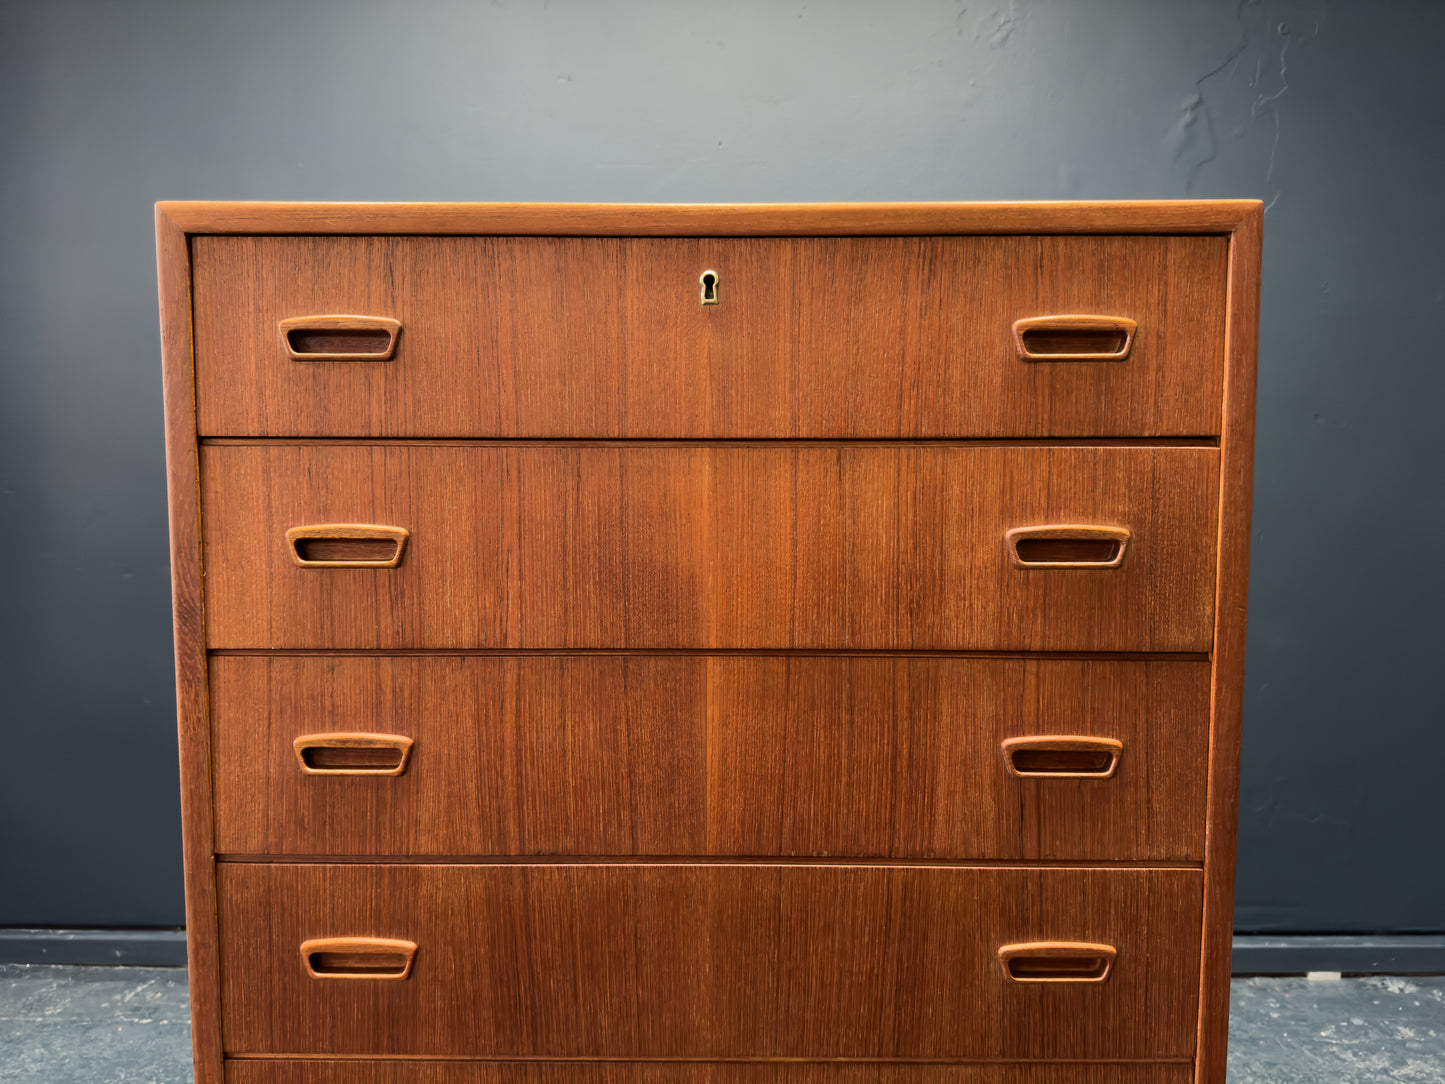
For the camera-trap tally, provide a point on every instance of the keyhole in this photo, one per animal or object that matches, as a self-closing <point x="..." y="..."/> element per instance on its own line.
<point x="709" y="287"/>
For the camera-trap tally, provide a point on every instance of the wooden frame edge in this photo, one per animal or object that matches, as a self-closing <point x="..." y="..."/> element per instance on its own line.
<point x="173" y="271"/>
<point x="1236" y="487"/>
<point x="711" y="220"/>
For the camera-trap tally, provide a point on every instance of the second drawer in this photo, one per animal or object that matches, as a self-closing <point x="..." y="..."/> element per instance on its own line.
<point x="766" y="547"/>
<point x="953" y="758"/>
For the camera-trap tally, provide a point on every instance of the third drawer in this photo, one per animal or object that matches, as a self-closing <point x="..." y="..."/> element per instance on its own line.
<point x="950" y="758"/>
<point x="705" y="546"/>
<point x="709" y="961"/>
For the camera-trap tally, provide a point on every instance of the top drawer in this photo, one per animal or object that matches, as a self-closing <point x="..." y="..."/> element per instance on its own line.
<point x="581" y="337"/>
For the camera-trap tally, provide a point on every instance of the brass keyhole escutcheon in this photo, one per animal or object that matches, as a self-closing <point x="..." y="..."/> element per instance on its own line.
<point x="709" y="287"/>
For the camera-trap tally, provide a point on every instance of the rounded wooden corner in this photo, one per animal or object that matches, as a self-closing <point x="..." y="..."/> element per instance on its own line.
<point x="1048" y="756"/>
<point x="310" y="752"/>
<point x="1057" y="961"/>
<point x="369" y="958"/>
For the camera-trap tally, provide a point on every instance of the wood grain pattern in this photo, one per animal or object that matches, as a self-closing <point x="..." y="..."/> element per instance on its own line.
<point x="712" y="220"/>
<point x="702" y="546"/>
<point x="1236" y="486"/>
<point x="322" y="1071"/>
<point x="699" y="961"/>
<point x="719" y="755"/>
<point x="813" y="337"/>
<point x="689" y="548"/>
<point x="193" y="726"/>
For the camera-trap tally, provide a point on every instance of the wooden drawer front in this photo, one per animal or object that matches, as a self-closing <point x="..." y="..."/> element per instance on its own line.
<point x="351" y="1071"/>
<point x="721" y="755"/>
<point x="607" y="337"/>
<point x="704" y="546"/>
<point x="699" y="961"/>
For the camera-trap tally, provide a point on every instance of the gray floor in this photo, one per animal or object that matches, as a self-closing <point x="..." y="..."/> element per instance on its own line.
<point x="104" y="1025"/>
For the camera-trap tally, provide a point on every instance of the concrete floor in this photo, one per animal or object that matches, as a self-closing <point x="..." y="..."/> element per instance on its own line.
<point x="108" y="1025"/>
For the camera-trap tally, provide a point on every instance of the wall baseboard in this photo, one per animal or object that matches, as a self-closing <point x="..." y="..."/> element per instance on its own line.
<point x="94" y="948"/>
<point x="1361" y="954"/>
<point x="1254" y="954"/>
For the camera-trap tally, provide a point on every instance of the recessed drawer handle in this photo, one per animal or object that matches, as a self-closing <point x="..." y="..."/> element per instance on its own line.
<point x="347" y="545"/>
<point x="1065" y="756"/>
<point x="358" y="958"/>
<point x="352" y="754"/>
<point x="1057" y="961"/>
<point x="340" y="338"/>
<point x="1067" y="545"/>
<point x="1074" y="338"/>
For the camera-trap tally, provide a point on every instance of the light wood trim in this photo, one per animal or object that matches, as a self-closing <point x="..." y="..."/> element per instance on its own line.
<point x="359" y="948"/>
<point x="339" y="323"/>
<point x="1063" y="743"/>
<point x="1231" y="598"/>
<point x="362" y="531"/>
<point x="183" y="483"/>
<point x="1058" y="950"/>
<point x="712" y="220"/>
<point x="1075" y="323"/>
<point x="1068" y="531"/>
<point x="398" y="743"/>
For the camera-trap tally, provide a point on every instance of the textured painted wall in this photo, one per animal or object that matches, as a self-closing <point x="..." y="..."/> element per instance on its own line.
<point x="1334" y="114"/>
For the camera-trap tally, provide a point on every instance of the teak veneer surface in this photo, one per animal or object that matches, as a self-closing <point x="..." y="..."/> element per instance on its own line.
<point x="882" y="337"/>
<point x="707" y="546"/>
<point x="593" y="603"/>
<point x="700" y="961"/>
<point x="351" y="1071"/>
<point x="711" y="755"/>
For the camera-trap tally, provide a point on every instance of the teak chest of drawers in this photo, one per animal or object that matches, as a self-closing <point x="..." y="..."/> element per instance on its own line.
<point x="713" y="645"/>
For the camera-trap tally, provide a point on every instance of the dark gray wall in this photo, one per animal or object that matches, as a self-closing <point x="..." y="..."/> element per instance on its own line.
<point x="1334" y="114"/>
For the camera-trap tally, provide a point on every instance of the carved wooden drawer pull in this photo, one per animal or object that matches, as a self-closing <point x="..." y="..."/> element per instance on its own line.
<point x="1064" y="756"/>
<point x="340" y="338"/>
<point x="358" y="958"/>
<point x="352" y="754"/>
<point x="347" y="545"/>
<point x="1074" y="338"/>
<point x="1067" y="545"/>
<point x="1057" y="961"/>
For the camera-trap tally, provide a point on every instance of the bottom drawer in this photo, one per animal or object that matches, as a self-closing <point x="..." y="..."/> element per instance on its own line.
<point x="278" y="1071"/>
<point x="684" y="960"/>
